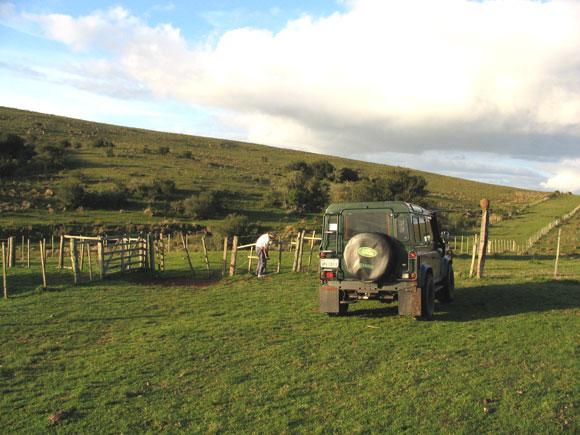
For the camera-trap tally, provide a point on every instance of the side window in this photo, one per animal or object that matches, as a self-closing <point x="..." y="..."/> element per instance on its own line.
<point x="416" y="229"/>
<point x="402" y="227"/>
<point x="331" y="232"/>
<point x="422" y="229"/>
<point x="428" y="227"/>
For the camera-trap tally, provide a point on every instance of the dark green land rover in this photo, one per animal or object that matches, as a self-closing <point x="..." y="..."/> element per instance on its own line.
<point x="384" y="251"/>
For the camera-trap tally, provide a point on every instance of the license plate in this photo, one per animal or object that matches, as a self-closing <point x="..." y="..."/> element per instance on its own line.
<point x="329" y="263"/>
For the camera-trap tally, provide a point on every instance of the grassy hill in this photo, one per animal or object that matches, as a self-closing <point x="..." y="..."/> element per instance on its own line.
<point x="195" y="164"/>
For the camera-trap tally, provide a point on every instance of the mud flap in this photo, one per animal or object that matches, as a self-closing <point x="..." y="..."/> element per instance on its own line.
<point x="329" y="299"/>
<point x="410" y="301"/>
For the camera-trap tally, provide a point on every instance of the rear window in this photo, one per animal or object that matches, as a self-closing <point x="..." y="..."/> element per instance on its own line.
<point x="355" y="222"/>
<point x="402" y="228"/>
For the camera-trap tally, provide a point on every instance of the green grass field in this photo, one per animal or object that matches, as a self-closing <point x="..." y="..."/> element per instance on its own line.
<point x="139" y="354"/>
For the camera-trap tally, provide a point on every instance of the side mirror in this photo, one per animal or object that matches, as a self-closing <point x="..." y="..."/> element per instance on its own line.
<point x="445" y="236"/>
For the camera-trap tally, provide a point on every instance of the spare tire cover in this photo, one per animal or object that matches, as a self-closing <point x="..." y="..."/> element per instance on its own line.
<point x="367" y="256"/>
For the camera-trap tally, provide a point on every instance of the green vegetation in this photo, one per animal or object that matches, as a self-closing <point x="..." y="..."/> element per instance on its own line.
<point x="249" y="355"/>
<point x="108" y="156"/>
<point x="534" y="218"/>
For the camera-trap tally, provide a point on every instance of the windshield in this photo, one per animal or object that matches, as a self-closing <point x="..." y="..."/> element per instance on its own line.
<point x="375" y="221"/>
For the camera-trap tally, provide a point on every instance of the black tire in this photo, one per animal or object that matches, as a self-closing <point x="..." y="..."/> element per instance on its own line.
<point x="428" y="298"/>
<point x="367" y="256"/>
<point x="446" y="294"/>
<point x="342" y="310"/>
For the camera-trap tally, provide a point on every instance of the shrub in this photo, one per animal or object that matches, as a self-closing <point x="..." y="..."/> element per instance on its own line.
<point x="162" y="189"/>
<point x="205" y="205"/>
<point x="103" y="143"/>
<point x="306" y="194"/>
<point x="235" y="224"/>
<point x="323" y="170"/>
<point x="346" y="174"/>
<point x="15" y="154"/>
<point x="71" y="193"/>
<point x="186" y="155"/>
<point x="406" y="187"/>
<point x="163" y="150"/>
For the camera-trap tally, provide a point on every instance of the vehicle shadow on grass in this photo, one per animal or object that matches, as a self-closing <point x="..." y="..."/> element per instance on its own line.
<point x="490" y="301"/>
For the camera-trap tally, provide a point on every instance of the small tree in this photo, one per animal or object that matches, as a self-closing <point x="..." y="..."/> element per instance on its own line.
<point x="346" y="174"/>
<point x="205" y="205"/>
<point x="323" y="170"/>
<point x="72" y="193"/>
<point x="406" y="187"/>
<point x="306" y="193"/>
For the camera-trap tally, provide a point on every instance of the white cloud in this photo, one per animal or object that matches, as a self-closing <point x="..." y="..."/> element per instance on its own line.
<point x="566" y="176"/>
<point x="499" y="76"/>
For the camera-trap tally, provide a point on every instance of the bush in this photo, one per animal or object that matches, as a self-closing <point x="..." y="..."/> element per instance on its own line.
<point x="205" y="205"/>
<point x="163" y="150"/>
<point x="103" y="143"/>
<point x="72" y="193"/>
<point x="323" y="170"/>
<point x="114" y="199"/>
<point x="235" y="224"/>
<point x="346" y="174"/>
<point x="186" y="155"/>
<point x="306" y="194"/>
<point x="406" y="187"/>
<point x="15" y="154"/>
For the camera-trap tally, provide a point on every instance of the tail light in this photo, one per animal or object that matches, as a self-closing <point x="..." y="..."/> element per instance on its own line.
<point x="327" y="274"/>
<point x="323" y="254"/>
<point x="412" y="255"/>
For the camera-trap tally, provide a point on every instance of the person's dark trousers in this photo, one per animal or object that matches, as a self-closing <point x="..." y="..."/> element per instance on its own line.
<point x="261" y="270"/>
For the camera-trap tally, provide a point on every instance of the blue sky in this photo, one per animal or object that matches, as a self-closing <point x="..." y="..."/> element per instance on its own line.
<point x="484" y="90"/>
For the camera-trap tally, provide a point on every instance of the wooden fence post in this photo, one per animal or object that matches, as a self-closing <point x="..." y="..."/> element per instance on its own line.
<point x="42" y="244"/>
<point x="101" y="259"/>
<point x="61" y="252"/>
<point x="278" y="266"/>
<point x="557" y="254"/>
<point x="204" y="246"/>
<point x="250" y="258"/>
<point x="52" y="245"/>
<point x="74" y="260"/>
<point x="82" y="259"/>
<point x="28" y="253"/>
<point x="22" y="256"/>
<point x="4" y="280"/>
<point x="234" y="255"/>
<point x="311" y="251"/>
<point x="185" y="248"/>
<point x="151" y="252"/>
<point x="301" y="251"/>
<point x="225" y="256"/>
<point x="483" y="237"/>
<point x="295" y="262"/>
<point x="90" y="261"/>
<point x="12" y="252"/>
<point x="473" y="255"/>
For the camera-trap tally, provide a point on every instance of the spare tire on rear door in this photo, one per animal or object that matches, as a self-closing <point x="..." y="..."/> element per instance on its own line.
<point x="367" y="256"/>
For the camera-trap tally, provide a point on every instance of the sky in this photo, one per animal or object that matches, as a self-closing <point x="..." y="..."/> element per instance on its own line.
<point x="487" y="90"/>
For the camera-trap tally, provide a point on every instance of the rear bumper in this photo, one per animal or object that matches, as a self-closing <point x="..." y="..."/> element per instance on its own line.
<point x="334" y="293"/>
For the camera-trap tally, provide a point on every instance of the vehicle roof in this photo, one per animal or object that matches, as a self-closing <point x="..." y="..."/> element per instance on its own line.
<point x="396" y="206"/>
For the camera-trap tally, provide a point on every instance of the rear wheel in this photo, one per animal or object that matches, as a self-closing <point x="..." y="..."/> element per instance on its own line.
<point x="446" y="294"/>
<point x="428" y="299"/>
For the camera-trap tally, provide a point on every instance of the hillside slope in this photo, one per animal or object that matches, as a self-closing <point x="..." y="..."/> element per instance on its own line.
<point x="195" y="164"/>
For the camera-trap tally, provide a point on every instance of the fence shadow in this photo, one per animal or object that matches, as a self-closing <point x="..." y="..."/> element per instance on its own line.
<point x="491" y="301"/>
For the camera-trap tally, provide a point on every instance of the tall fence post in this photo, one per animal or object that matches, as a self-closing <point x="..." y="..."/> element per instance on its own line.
<point x="296" y="252"/>
<point x="74" y="260"/>
<point x="101" y="258"/>
<point x="186" y="249"/>
<point x="250" y="258"/>
<point x="151" y="252"/>
<point x="61" y="252"/>
<point x="473" y="256"/>
<point x="234" y="256"/>
<point x="204" y="246"/>
<point x="225" y="257"/>
<point x="89" y="259"/>
<point x="12" y="252"/>
<point x="278" y="266"/>
<point x="42" y="244"/>
<point x="483" y="237"/>
<point x="4" y="280"/>
<point x="28" y="254"/>
<point x="557" y="254"/>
